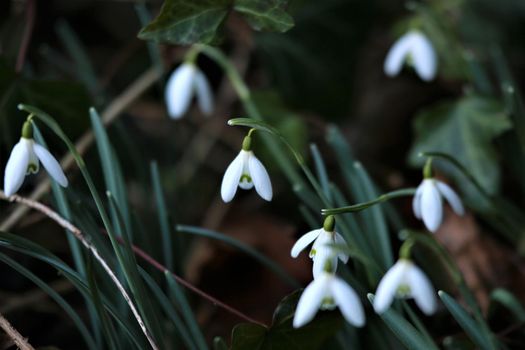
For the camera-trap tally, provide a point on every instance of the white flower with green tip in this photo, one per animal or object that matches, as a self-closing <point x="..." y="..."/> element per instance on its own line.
<point x="405" y="280"/>
<point x="428" y="204"/>
<point x="25" y="159"/>
<point x="327" y="292"/>
<point x="323" y="248"/>
<point x="246" y="172"/>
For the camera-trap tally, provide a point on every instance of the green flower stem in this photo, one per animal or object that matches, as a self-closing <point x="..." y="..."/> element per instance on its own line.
<point x="427" y="170"/>
<point x="360" y="206"/>
<point x="251" y="109"/>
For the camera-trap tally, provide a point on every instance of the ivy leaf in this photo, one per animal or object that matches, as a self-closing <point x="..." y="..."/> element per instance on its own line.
<point x="464" y="129"/>
<point x="187" y="22"/>
<point x="281" y="335"/>
<point x="265" y="15"/>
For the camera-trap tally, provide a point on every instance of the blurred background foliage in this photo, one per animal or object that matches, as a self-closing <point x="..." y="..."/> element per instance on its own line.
<point x="311" y="65"/>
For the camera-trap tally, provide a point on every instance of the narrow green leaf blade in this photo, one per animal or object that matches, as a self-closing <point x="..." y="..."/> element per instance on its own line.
<point x="469" y="325"/>
<point x="404" y="330"/>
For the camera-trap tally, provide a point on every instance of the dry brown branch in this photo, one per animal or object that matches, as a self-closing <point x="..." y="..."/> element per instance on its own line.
<point x="119" y="105"/>
<point x="17" y="338"/>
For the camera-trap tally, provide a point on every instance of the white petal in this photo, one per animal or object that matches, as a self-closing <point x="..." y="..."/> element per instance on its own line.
<point x="304" y="241"/>
<point x="231" y="178"/>
<point x="51" y="165"/>
<point x="260" y="178"/>
<point x="422" y="290"/>
<point x="16" y="168"/>
<point x="319" y="265"/>
<point x="348" y="301"/>
<point x="424" y="57"/>
<point x="204" y="94"/>
<point x="310" y="302"/>
<point x="179" y="90"/>
<point x="451" y="197"/>
<point x="396" y="56"/>
<point x="339" y="240"/>
<point x="388" y="285"/>
<point x="416" y="202"/>
<point x="431" y="205"/>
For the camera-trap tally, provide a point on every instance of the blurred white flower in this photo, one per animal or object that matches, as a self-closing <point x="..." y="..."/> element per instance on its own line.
<point x="326" y="293"/>
<point x="322" y="249"/>
<point x="187" y="80"/>
<point x="405" y="280"/>
<point x="246" y="171"/>
<point x="427" y="203"/>
<point x="417" y="50"/>
<point x="24" y="160"/>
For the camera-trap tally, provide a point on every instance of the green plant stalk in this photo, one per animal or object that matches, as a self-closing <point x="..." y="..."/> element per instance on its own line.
<point x="361" y="206"/>
<point x="244" y="95"/>
<point x="74" y="245"/>
<point x="167" y="243"/>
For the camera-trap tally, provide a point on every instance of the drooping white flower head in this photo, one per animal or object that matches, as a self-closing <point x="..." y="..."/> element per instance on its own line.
<point x="416" y="49"/>
<point x="326" y="293"/>
<point x="185" y="82"/>
<point x="24" y="160"/>
<point x="246" y="172"/>
<point x="405" y="280"/>
<point x="322" y="249"/>
<point x="428" y="205"/>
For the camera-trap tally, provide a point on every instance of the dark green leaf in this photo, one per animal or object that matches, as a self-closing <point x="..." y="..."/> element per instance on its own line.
<point x="266" y="15"/>
<point x="187" y="22"/>
<point x="466" y="129"/>
<point x="281" y="335"/>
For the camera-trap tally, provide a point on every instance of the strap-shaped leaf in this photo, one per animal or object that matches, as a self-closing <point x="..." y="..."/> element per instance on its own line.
<point x="469" y="325"/>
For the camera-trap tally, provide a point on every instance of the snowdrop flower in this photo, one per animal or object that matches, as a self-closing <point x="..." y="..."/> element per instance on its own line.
<point x="24" y="160"/>
<point x="427" y="203"/>
<point x="405" y="280"/>
<point x="415" y="48"/>
<point x="246" y="172"/>
<point x="326" y="293"/>
<point x="187" y="80"/>
<point x="322" y="250"/>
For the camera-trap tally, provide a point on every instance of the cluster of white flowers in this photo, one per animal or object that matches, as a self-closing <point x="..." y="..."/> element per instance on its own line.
<point x="326" y="291"/>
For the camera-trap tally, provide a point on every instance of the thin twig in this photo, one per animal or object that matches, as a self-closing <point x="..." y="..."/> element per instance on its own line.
<point x="80" y="236"/>
<point x="150" y="260"/>
<point x="24" y="45"/>
<point x="119" y="104"/>
<point x="17" y="338"/>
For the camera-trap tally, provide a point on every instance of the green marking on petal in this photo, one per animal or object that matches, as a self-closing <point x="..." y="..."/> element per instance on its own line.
<point x="32" y="168"/>
<point x="403" y="290"/>
<point x="246" y="177"/>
